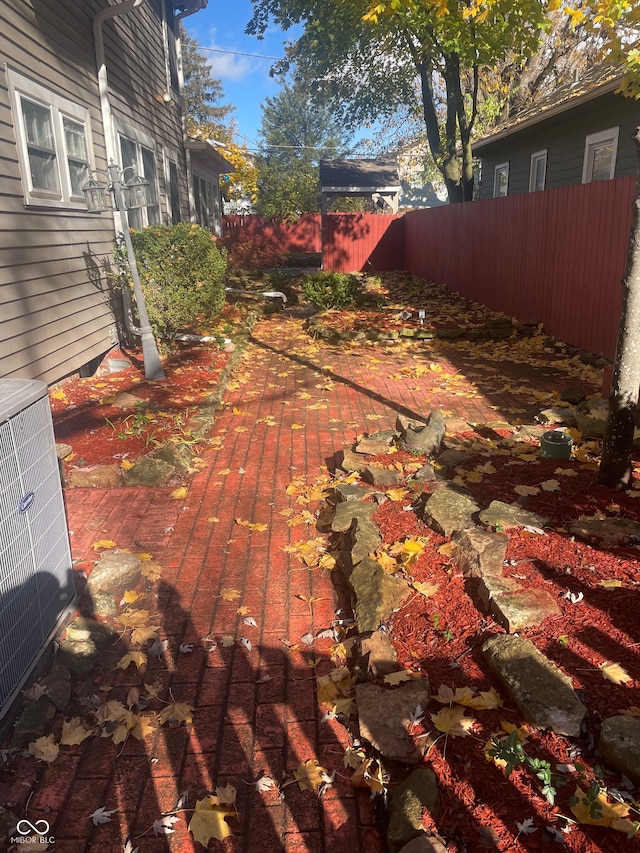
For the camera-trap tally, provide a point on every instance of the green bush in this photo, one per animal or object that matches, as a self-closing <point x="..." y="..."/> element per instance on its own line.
<point x="330" y="289"/>
<point x="182" y="273"/>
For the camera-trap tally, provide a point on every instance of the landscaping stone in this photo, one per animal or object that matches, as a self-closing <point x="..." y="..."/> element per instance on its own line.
<point x="424" y="844"/>
<point x="500" y="514"/>
<point x="620" y="745"/>
<point x="177" y="455"/>
<point x="34" y="721"/>
<point x="377" y="594"/>
<point x="557" y="415"/>
<point x="350" y="461"/>
<point x="427" y="439"/>
<point x="149" y="471"/>
<point x="542" y="692"/>
<point x="573" y="394"/>
<point x="606" y="531"/>
<point x="450" y="508"/>
<point x="384" y="716"/>
<point x="365" y="539"/>
<point x="493" y="586"/>
<point x="63" y="450"/>
<point x="386" y="435"/>
<point x="515" y="610"/>
<point x="82" y="629"/>
<point x="408" y="802"/>
<point x="426" y="474"/>
<point x="96" y="477"/>
<point x="57" y="685"/>
<point x="124" y="400"/>
<point x="382" y="654"/>
<point x="115" y="570"/>
<point x="591" y="418"/>
<point x="450" y="458"/>
<point x="346" y="511"/>
<point x="351" y="492"/>
<point x="383" y="477"/>
<point x="479" y="552"/>
<point x="102" y="604"/>
<point x="372" y="447"/>
<point x="78" y="657"/>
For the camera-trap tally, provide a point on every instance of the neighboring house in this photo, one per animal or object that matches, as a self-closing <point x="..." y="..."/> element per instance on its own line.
<point x="83" y="83"/>
<point x="581" y="132"/>
<point x="377" y="180"/>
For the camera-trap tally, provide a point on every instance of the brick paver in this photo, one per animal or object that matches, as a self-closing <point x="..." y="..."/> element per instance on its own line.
<point x="291" y="405"/>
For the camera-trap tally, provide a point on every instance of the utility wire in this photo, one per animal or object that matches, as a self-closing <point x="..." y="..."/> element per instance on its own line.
<point x="239" y="53"/>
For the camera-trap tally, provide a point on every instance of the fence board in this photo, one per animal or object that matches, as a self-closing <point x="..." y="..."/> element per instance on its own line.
<point x="357" y="242"/>
<point x="300" y="236"/>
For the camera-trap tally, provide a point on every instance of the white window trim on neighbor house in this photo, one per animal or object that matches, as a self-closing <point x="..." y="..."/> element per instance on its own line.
<point x="142" y="142"/>
<point x="591" y="145"/>
<point x="63" y="119"/>
<point x="538" y="159"/>
<point x="501" y="168"/>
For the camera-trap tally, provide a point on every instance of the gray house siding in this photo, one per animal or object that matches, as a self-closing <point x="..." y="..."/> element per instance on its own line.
<point x="563" y="137"/>
<point x="57" y="308"/>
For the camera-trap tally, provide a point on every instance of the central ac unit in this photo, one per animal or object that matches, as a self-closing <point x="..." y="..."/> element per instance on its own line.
<point x="36" y="578"/>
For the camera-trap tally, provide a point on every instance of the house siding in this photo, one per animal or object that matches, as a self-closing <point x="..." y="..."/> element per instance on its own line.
<point x="563" y="136"/>
<point x="58" y="310"/>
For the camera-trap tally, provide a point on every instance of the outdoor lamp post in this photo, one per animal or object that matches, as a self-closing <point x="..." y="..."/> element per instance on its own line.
<point x="127" y="195"/>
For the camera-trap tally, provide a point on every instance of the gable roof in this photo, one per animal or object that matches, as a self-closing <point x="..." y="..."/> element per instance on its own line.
<point x="598" y="81"/>
<point x="365" y="176"/>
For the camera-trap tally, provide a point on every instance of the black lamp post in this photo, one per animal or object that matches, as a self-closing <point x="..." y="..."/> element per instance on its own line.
<point x="128" y="195"/>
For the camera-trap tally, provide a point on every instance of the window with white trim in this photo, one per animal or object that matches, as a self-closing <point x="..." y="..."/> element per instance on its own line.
<point x="206" y="196"/>
<point x="54" y="144"/>
<point x="600" y="150"/>
<point x="137" y="151"/>
<point x="538" y="173"/>
<point x="173" y="190"/>
<point x="501" y="180"/>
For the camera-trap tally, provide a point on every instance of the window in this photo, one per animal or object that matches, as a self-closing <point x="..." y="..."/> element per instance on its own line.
<point x="171" y="48"/>
<point x="173" y="191"/>
<point x="54" y="141"/>
<point x="538" y="174"/>
<point x="138" y="151"/>
<point x="600" y="155"/>
<point x="207" y="202"/>
<point x="501" y="180"/>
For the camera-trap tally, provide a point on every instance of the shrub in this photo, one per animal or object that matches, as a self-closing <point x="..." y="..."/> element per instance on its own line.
<point x="330" y="289"/>
<point x="182" y="273"/>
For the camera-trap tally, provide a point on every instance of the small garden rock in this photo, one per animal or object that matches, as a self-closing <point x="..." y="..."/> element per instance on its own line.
<point x="384" y="718"/>
<point x="450" y="508"/>
<point x="382" y="477"/>
<point x="608" y="532"/>
<point x="377" y="594"/>
<point x="500" y="514"/>
<point x="409" y="800"/>
<point x="97" y="477"/>
<point x="382" y="656"/>
<point x="479" y="552"/>
<point x="149" y="472"/>
<point x="347" y="511"/>
<point x="115" y="570"/>
<point x="620" y="745"/>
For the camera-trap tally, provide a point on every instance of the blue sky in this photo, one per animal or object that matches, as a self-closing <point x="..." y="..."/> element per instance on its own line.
<point x="245" y="79"/>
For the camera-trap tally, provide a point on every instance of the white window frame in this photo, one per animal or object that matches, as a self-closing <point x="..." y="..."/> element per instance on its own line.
<point x="21" y="89"/>
<point x="171" y="157"/>
<point x="140" y="140"/>
<point x="593" y="141"/>
<point x="501" y="167"/>
<point x="537" y="157"/>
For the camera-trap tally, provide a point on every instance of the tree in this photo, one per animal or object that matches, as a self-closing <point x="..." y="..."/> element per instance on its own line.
<point x="294" y="135"/>
<point x="208" y="118"/>
<point x="371" y="57"/>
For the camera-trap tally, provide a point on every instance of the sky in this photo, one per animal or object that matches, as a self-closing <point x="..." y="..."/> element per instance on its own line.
<point x="245" y="79"/>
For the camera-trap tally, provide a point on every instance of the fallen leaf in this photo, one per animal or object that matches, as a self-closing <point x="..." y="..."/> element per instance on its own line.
<point x="396" y="494"/>
<point x="597" y="811"/>
<point x="101" y="815"/>
<point x="74" y="732"/>
<point x="134" y="618"/>
<point x="226" y="641"/>
<point x="226" y="794"/>
<point x="209" y="822"/>
<point x="526" y="490"/>
<point x="176" y="713"/>
<point x="614" y="672"/>
<point x="452" y="721"/>
<point x="611" y="583"/>
<point x="264" y="783"/>
<point x="143" y="634"/>
<point x="111" y="712"/>
<point x="425" y="589"/>
<point x="399" y="677"/>
<point x="309" y="775"/>
<point x="131" y="595"/>
<point x="230" y="594"/>
<point x="103" y="543"/>
<point x="152" y="571"/>
<point x="164" y="825"/>
<point x="137" y="658"/>
<point x="44" y="748"/>
<point x="297" y="426"/>
<point x="179" y="493"/>
<point x="213" y="519"/>
<point x="550" y="486"/>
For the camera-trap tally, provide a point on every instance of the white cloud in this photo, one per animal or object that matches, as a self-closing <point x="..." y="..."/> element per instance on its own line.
<point x="227" y="66"/>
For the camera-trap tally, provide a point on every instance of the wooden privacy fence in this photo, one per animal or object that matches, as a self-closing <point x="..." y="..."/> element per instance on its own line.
<point x="555" y="257"/>
<point x="303" y="235"/>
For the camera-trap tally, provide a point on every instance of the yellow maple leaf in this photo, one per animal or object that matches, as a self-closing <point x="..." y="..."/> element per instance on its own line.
<point x="131" y="595"/>
<point x="566" y="472"/>
<point x="179" y="493"/>
<point x="369" y="774"/>
<point x="452" y="721"/>
<point x="243" y="610"/>
<point x="151" y="570"/>
<point x="526" y="490"/>
<point x="400" y="676"/>
<point x="614" y="672"/>
<point x="486" y="699"/>
<point x="224" y="472"/>
<point x="111" y="712"/>
<point x="143" y="727"/>
<point x="127" y="464"/>
<point x="209" y="822"/>
<point x="44" y="748"/>
<point x="310" y="775"/>
<point x="137" y="658"/>
<point x="59" y="395"/>
<point x="213" y="519"/>
<point x="611" y="583"/>
<point x="448" y="549"/>
<point x="74" y="732"/>
<point x="103" y="543"/>
<point x="229" y="594"/>
<point x="134" y="618"/>
<point x="598" y="811"/>
<point x="425" y="589"/>
<point x="176" y="713"/>
<point x="144" y="556"/>
<point x="396" y="494"/>
<point x="550" y="486"/>
<point x="297" y="426"/>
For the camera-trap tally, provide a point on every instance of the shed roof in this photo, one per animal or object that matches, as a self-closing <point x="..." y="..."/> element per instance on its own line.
<point x="366" y="176"/>
<point x="597" y="81"/>
<point x="207" y="152"/>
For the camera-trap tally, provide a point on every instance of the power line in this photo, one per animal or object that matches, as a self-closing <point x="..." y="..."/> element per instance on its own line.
<point x="239" y="53"/>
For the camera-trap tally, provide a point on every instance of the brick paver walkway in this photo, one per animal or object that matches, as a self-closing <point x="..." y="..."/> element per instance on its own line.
<point x="291" y="404"/>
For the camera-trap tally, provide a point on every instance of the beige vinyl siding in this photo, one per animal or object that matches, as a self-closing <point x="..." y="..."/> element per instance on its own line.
<point x="56" y="310"/>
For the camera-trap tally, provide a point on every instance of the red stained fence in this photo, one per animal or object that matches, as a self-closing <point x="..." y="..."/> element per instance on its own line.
<point x="303" y="235"/>
<point x="555" y="257"/>
<point x="355" y="242"/>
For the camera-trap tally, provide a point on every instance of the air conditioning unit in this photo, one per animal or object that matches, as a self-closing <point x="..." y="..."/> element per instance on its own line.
<point x="36" y="579"/>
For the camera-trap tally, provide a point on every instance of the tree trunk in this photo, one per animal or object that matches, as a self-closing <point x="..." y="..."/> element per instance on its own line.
<point x="616" y="466"/>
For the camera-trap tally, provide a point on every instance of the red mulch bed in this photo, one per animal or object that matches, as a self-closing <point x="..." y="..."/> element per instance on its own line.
<point x="441" y="636"/>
